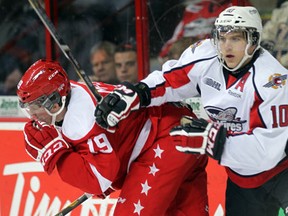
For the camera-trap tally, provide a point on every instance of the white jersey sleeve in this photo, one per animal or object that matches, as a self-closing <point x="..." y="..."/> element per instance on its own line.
<point x="178" y="80"/>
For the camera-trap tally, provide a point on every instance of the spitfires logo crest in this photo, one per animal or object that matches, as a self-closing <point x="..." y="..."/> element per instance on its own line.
<point x="276" y="81"/>
<point x="227" y="117"/>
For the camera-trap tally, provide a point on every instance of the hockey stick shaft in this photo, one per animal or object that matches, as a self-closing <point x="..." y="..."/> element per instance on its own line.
<point x="74" y="204"/>
<point x="64" y="47"/>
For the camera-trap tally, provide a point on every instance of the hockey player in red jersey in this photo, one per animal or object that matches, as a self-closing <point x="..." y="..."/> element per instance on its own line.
<point x="244" y="92"/>
<point x="137" y="156"/>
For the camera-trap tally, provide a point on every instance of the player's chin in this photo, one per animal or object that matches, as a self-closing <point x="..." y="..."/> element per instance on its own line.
<point x="230" y="64"/>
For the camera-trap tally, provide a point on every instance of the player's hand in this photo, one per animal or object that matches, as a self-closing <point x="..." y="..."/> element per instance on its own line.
<point x="118" y="104"/>
<point x="200" y="137"/>
<point x="44" y="143"/>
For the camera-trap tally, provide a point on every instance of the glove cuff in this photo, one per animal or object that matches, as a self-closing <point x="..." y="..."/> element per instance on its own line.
<point x="142" y="91"/>
<point x="53" y="151"/>
<point x="49" y="167"/>
<point x="221" y="140"/>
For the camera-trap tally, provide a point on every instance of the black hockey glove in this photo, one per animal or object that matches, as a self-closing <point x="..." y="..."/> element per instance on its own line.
<point x="118" y="104"/>
<point x="199" y="136"/>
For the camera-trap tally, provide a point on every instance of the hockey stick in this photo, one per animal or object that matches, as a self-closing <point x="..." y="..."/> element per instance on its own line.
<point x="64" y="47"/>
<point x="74" y="204"/>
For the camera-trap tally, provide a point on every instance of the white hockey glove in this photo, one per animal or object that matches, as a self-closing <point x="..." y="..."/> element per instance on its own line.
<point x="118" y="104"/>
<point x="198" y="136"/>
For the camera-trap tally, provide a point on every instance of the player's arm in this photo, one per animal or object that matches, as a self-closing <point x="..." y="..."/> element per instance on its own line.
<point x="45" y="144"/>
<point x="118" y="104"/>
<point x="92" y="173"/>
<point x="171" y="84"/>
<point x="90" y="166"/>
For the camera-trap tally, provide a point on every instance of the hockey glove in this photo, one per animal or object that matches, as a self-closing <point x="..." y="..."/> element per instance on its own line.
<point x="200" y="137"/>
<point x="118" y="104"/>
<point x="44" y="143"/>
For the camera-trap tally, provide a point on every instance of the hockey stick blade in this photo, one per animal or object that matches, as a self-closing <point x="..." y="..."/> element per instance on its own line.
<point x="74" y="204"/>
<point x="64" y="47"/>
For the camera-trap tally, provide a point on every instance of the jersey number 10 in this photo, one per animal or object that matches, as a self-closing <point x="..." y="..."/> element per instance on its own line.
<point x="280" y="119"/>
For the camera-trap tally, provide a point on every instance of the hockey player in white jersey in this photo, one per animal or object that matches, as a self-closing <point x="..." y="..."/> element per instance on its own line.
<point x="244" y="92"/>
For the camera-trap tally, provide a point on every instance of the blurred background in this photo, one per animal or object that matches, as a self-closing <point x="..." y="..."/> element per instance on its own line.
<point x="160" y="30"/>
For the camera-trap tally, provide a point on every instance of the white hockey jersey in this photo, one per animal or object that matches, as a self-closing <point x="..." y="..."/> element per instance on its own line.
<point x="253" y="107"/>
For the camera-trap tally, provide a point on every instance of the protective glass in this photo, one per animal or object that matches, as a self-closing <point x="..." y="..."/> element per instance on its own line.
<point x="250" y="34"/>
<point x="221" y="31"/>
<point x="40" y="103"/>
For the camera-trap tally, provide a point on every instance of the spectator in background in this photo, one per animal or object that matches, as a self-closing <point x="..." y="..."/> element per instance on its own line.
<point x="126" y="66"/>
<point x="275" y="34"/>
<point x="102" y="61"/>
<point x="10" y="84"/>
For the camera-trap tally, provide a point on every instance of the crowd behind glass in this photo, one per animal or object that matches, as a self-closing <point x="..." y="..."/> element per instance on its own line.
<point x="83" y="24"/>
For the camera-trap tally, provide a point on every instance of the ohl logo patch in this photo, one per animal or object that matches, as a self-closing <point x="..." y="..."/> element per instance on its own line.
<point x="276" y="81"/>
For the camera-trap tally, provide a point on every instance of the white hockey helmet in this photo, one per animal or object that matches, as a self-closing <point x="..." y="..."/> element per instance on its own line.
<point x="240" y="18"/>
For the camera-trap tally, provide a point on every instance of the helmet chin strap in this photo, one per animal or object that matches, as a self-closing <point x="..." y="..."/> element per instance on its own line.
<point x="54" y="115"/>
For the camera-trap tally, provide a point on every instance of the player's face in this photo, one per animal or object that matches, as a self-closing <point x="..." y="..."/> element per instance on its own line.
<point x="38" y="112"/>
<point x="232" y="47"/>
<point x="103" y="66"/>
<point x="126" y="66"/>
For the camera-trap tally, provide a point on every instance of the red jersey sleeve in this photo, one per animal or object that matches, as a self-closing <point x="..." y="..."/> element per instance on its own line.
<point x="92" y="172"/>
